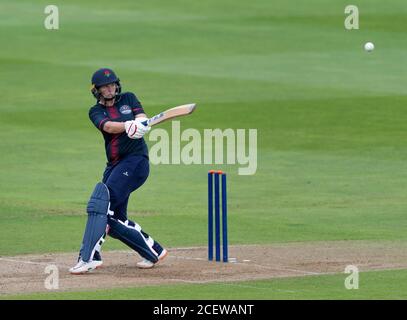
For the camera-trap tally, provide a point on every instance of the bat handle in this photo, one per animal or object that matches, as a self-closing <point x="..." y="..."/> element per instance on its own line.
<point x="146" y="122"/>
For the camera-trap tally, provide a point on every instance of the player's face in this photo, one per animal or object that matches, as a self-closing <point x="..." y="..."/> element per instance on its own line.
<point x="108" y="91"/>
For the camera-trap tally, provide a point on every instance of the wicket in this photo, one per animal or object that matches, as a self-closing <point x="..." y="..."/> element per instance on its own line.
<point x="213" y="178"/>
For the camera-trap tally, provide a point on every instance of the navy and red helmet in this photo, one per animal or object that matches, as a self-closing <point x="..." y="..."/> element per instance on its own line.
<point x="103" y="77"/>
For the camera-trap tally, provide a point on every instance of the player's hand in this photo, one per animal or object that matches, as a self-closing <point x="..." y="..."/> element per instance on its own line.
<point x="135" y="129"/>
<point x="142" y="129"/>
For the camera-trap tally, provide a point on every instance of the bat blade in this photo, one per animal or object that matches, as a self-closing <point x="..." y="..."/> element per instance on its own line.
<point x="178" y="111"/>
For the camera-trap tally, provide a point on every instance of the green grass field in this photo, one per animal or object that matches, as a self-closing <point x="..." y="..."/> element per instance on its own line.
<point x="331" y="121"/>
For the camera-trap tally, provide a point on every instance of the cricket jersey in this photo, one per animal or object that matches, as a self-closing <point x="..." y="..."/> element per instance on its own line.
<point x="118" y="146"/>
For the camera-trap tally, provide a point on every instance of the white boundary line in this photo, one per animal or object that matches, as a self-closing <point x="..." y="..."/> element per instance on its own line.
<point x="251" y="264"/>
<point x="26" y="262"/>
<point x="280" y="269"/>
<point x="35" y="263"/>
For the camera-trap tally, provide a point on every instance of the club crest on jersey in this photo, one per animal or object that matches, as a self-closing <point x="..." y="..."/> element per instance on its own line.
<point x="125" y="109"/>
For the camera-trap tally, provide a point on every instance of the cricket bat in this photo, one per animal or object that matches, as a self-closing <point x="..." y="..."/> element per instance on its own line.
<point x="178" y="111"/>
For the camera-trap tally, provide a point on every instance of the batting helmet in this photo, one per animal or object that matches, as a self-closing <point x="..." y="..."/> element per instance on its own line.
<point x="103" y="77"/>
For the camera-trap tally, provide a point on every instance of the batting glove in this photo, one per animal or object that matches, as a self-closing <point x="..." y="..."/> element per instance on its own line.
<point x="135" y="129"/>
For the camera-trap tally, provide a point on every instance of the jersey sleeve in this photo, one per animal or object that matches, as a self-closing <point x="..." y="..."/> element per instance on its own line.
<point x="98" y="117"/>
<point x="136" y="106"/>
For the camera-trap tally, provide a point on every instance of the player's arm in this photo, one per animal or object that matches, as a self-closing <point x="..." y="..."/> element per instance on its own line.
<point x="114" y="127"/>
<point x="119" y="127"/>
<point x="141" y="115"/>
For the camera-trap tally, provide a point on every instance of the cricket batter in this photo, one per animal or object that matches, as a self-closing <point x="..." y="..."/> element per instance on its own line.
<point x="119" y="117"/>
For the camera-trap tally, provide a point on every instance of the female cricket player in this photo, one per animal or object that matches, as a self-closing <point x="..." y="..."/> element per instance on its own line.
<point x="119" y="117"/>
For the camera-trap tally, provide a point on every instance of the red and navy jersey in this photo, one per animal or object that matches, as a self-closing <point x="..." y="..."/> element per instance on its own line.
<point x="126" y="107"/>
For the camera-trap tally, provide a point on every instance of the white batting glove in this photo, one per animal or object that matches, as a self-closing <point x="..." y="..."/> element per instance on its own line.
<point x="135" y="129"/>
